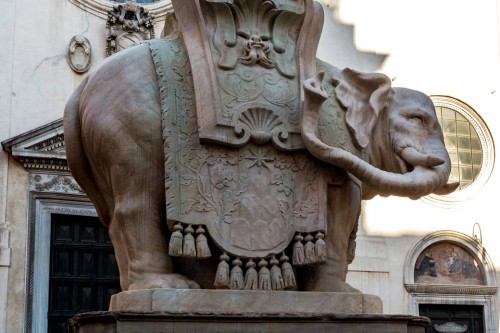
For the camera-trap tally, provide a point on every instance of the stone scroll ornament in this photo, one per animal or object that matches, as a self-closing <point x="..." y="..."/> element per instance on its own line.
<point x="127" y="24"/>
<point x="244" y="92"/>
<point x="79" y="54"/>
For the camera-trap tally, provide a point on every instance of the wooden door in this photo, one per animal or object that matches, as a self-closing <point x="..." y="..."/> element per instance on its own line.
<point x="470" y="315"/>
<point x="83" y="270"/>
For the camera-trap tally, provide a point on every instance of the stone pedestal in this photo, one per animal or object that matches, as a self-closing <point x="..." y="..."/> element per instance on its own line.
<point x="179" y="310"/>
<point x="137" y="322"/>
<point x="233" y="302"/>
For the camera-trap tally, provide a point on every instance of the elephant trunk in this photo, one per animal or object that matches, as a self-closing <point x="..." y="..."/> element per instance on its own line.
<point x="428" y="175"/>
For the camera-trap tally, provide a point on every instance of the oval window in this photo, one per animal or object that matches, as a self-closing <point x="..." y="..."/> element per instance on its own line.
<point x="470" y="146"/>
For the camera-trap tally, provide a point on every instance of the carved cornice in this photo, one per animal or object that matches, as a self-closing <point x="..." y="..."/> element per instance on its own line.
<point x="451" y="289"/>
<point x="40" y="149"/>
<point x="100" y="8"/>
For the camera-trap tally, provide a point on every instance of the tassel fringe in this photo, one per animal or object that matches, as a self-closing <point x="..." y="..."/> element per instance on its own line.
<point x="264" y="276"/>
<point x="222" y="275"/>
<point x="236" y="275"/>
<point x="287" y="272"/>
<point x="320" y="248"/>
<point x="251" y="279"/>
<point x="309" y="251"/>
<point x="277" y="282"/>
<point x="189" y="249"/>
<point x="298" y="251"/>
<point x="202" y="249"/>
<point x="176" y="240"/>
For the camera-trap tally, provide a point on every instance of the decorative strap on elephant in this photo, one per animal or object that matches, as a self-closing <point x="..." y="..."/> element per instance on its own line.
<point x="270" y="276"/>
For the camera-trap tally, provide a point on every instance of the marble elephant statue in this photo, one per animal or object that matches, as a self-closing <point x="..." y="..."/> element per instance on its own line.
<point x="392" y="145"/>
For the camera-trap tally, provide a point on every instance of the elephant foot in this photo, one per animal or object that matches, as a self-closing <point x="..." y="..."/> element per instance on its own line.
<point x="331" y="285"/>
<point x="158" y="281"/>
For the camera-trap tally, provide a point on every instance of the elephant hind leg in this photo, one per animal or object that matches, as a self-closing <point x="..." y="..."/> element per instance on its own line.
<point x="138" y="227"/>
<point x="120" y="255"/>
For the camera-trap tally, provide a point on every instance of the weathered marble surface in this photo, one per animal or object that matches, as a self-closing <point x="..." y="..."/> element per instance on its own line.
<point x="121" y="322"/>
<point x="232" y="302"/>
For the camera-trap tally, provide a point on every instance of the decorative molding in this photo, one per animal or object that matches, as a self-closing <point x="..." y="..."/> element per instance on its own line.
<point x="100" y="8"/>
<point x="40" y="149"/>
<point x="488" y="147"/>
<point x="488" y="302"/>
<point x="79" y="54"/>
<point x="484" y="295"/>
<point x="128" y="24"/>
<point x="4" y="247"/>
<point x="41" y="206"/>
<point x="470" y="244"/>
<point x="450" y="289"/>
<point x="55" y="183"/>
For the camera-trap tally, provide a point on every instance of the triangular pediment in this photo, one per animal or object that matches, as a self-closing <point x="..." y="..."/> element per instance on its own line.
<point x="41" y="148"/>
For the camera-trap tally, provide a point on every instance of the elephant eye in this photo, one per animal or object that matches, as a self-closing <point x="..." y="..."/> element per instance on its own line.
<point x="417" y="118"/>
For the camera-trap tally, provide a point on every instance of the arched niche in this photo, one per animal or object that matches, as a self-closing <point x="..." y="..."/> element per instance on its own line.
<point x="463" y="274"/>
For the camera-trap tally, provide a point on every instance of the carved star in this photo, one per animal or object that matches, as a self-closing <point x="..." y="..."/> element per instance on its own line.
<point x="260" y="158"/>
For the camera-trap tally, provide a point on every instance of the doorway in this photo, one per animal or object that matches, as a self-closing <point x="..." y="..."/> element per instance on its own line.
<point x="470" y="315"/>
<point x="83" y="272"/>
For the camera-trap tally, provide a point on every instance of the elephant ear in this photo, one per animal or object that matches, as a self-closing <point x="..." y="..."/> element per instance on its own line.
<point x="363" y="95"/>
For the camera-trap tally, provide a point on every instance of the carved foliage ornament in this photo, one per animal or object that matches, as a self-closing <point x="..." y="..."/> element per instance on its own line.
<point x="127" y="24"/>
<point x="252" y="200"/>
<point x="245" y="55"/>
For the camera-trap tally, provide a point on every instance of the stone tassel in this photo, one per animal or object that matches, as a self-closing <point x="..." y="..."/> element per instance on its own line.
<point x="309" y="251"/>
<point x="222" y="275"/>
<point x="176" y="240"/>
<point x="189" y="249"/>
<point x="264" y="276"/>
<point x="320" y="248"/>
<point x="202" y="249"/>
<point x="236" y="280"/>
<point x="276" y="277"/>
<point x="298" y="251"/>
<point x="287" y="272"/>
<point x="251" y="280"/>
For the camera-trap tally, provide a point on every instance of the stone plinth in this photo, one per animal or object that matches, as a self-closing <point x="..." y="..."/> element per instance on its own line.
<point x="234" y="302"/>
<point x="183" y="310"/>
<point x="137" y="322"/>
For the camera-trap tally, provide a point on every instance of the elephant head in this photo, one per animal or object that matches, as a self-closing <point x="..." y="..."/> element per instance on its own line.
<point x="395" y="129"/>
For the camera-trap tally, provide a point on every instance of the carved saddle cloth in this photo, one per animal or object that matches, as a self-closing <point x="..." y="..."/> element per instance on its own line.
<point x="252" y="199"/>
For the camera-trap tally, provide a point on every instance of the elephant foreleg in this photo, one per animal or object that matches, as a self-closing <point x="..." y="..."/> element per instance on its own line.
<point x="344" y="207"/>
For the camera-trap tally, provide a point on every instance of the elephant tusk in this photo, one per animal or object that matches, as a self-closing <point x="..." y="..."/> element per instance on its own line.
<point x="412" y="156"/>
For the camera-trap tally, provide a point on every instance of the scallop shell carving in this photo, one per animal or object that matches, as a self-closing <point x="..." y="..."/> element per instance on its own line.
<point x="260" y="125"/>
